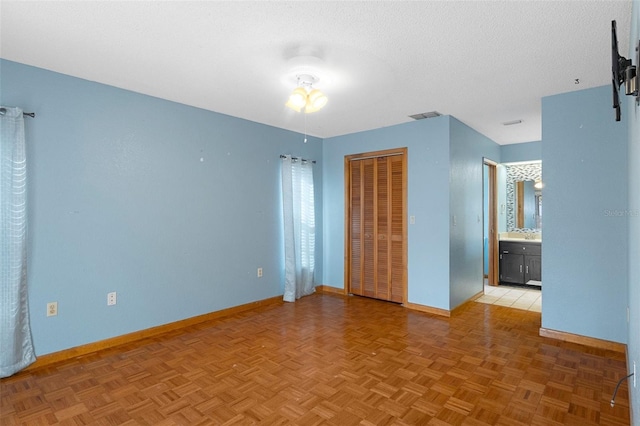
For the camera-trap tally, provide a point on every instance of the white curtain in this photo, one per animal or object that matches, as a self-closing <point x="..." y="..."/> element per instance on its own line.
<point x="16" y="346"/>
<point x="299" y="227"/>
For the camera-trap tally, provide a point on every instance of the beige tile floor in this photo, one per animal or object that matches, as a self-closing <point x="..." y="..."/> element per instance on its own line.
<point x="514" y="297"/>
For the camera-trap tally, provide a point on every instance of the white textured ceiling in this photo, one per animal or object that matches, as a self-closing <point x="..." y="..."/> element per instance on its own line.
<point x="483" y="62"/>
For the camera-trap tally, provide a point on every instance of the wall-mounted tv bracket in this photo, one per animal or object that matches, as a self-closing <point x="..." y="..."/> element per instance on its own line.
<point x="637" y="73"/>
<point x="631" y="76"/>
<point x="623" y="71"/>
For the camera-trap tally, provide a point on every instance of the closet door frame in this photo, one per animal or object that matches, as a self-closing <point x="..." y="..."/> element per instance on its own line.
<point x="347" y="209"/>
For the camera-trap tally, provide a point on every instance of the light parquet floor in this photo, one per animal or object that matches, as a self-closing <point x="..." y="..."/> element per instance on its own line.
<point x="332" y="360"/>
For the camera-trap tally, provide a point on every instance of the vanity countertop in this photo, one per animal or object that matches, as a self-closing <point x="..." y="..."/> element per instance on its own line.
<point x="521" y="237"/>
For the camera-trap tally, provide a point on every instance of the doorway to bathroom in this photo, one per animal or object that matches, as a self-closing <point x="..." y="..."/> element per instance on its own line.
<point x="490" y="227"/>
<point x="512" y="232"/>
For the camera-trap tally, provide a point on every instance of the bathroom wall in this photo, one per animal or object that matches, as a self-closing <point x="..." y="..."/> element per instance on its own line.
<point x="501" y="178"/>
<point x="516" y="152"/>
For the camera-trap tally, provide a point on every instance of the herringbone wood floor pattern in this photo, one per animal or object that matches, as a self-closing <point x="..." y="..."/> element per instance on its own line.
<point x="332" y="360"/>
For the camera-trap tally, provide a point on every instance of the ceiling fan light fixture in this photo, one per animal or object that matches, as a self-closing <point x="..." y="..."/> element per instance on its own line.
<point x="305" y="96"/>
<point x="315" y="101"/>
<point x="293" y="107"/>
<point x="298" y="98"/>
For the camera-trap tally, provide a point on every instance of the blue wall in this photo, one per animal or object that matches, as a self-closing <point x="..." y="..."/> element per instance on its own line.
<point x="427" y="142"/>
<point x="584" y="154"/>
<point x="468" y="148"/>
<point x="120" y="200"/>
<point x="528" y="151"/>
<point x="632" y="117"/>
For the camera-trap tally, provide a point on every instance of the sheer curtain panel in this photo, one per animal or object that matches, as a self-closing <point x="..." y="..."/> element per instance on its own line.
<point x="299" y="227"/>
<point x="16" y="346"/>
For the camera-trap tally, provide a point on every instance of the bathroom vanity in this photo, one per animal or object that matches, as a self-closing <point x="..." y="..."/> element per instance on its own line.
<point x="520" y="261"/>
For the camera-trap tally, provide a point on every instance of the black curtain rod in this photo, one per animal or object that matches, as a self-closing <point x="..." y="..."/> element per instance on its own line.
<point x="296" y="158"/>
<point x="3" y="111"/>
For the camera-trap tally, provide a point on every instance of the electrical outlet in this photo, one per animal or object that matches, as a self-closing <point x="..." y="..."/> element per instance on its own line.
<point x="259" y="272"/>
<point x="52" y="309"/>
<point x="111" y="298"/>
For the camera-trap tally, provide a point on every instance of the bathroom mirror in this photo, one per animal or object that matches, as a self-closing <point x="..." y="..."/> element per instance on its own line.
<point x="524" y="211"/>
<point x="528" y="205"/>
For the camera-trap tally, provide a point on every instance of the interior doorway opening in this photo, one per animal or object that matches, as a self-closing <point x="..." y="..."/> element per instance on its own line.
<point x="490" y="227"/>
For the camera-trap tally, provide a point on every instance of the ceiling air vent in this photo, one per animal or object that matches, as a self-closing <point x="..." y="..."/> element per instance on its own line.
<point x="511" y="123"/>
<point x="430" y="114"/>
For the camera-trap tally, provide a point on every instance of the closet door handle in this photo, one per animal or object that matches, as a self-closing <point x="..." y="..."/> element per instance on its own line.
<point x="527" y="269"/>
<point x="521" y="268"/>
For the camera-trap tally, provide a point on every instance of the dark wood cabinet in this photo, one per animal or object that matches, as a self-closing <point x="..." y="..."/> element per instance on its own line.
<point x="532" y="268"/>
<point x="511" y="268"/>
<point x="520" y="262"/>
